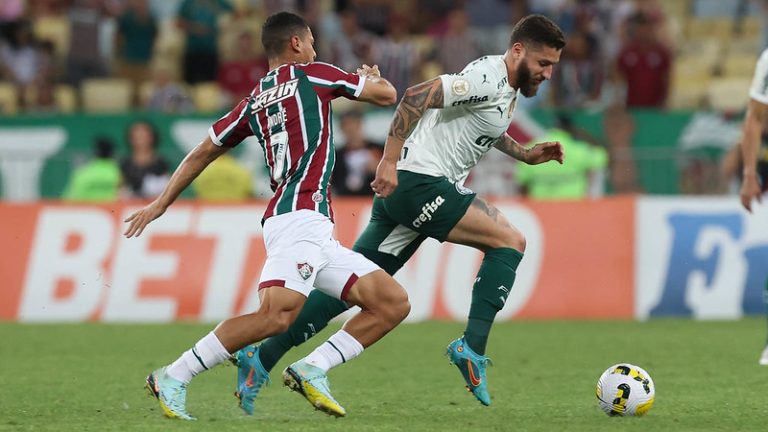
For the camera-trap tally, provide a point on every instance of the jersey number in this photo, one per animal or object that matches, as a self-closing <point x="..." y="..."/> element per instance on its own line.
<point x="279" y="142"/>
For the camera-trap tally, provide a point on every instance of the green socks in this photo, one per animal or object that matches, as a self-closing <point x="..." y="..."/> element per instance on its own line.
<point x="318" y="310"/>
<point x="492" y="287"/>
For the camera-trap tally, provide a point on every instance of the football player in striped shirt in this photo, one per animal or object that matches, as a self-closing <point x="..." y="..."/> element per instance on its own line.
<point x="289" y="112"/>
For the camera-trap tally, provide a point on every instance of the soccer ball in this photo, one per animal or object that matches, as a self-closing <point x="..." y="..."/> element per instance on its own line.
<point x="625" y="390"/>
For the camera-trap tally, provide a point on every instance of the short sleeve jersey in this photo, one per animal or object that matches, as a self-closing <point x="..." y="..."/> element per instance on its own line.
<point x="289" y="112"/>
<point x="478" y="108"/>
<point x="759" y="89"/>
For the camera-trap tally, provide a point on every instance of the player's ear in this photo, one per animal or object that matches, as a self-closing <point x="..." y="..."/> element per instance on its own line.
<point x="518" y="50"/>
<point x="295" y="43"/>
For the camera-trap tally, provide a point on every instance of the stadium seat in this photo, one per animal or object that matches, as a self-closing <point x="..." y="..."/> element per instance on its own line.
<point x="688" y="92"/>
<point x="145" y="92"/>
<point x="676" y="8"/>
<point x="729" y="94"/>
<point x="106" y="95"/>
<point x="9" y="99"/>
<point x="739" y="65"/>
<point x="711" y="28"/>
<point x="751" y="27"/>
<point x="207" y="97"/>
<point x="54" y="29"/>
<point x="170" y="41"/>
<point x="698" y="68"/>
<point x="744" y="45"/>
<point x="66" y="98"/>
<point x="705" y="52"/>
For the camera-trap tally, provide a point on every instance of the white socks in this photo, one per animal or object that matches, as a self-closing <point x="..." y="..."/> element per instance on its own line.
<point x="207" y="353"/>
<point x="338" y="349"/>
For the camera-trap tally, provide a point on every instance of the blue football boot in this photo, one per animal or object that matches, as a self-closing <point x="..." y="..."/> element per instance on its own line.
<point x="472" y="367"/>
<point x="312" y="383"/>
<point x="251" y="376"/>
<point x="171" y="393"/>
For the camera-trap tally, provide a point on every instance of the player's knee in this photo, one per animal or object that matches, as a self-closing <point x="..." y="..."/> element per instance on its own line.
<point x="397" y="305"/>
<point x="282" y="322"/>
<point x="511" y="238"/>
<point x="275" y="321"/>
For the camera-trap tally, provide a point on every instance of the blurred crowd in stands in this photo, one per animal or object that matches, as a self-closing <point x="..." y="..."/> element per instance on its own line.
<point x="183" y="56"/>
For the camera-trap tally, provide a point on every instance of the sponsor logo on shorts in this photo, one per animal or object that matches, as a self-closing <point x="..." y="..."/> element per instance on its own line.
<point x="428" y="210"/>
<point x="305" y="270"/>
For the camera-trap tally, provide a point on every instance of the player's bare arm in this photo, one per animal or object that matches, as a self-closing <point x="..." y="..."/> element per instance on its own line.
<point x="376" y="90"/>
<point x="416" y="101"/>
<point x="539" y="153"/>
<point x="757" y="114"/>
<point x="192" y="165"/>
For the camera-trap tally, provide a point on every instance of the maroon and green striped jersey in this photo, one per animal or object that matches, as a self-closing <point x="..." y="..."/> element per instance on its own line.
<point x="289" y="112"/>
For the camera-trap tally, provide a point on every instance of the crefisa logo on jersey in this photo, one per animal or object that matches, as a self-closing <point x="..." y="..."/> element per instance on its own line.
<point x="471" y="100"/>
<point x="305" y="270"/>
<point x="274" y="95"/>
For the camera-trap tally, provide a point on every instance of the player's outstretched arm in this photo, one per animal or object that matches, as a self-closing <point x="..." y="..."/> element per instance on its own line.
<point x="376" y="90"/>
<point x="757" y="114"/>
<point x="192" y="165"/>
<point x="416" y="101"/>
<point x="539" y="153"/>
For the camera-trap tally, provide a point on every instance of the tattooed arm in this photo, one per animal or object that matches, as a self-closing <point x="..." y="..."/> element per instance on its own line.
<point x="415" y="102"/>
<point x="539" y="153"/>
<point x="506" y="144"/>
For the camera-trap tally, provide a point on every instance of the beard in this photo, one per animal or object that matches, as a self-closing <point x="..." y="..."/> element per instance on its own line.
<point x="527" y="85"/>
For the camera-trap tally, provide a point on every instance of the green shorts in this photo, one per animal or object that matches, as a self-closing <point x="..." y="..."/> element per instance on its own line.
<point x="422" y="206"/>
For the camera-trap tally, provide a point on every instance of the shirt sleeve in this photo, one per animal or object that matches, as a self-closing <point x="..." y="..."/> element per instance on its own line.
<point x="468" y="87"/>
<point x="332" y="82"/>
<point x="233" y="128"/>
<point x="759" y="89"/>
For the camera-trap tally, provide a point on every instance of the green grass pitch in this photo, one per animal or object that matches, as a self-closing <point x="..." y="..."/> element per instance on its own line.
<point x="89" y="377"/>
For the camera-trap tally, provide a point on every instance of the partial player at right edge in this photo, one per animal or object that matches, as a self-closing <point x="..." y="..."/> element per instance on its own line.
<point x="752" y="185"/>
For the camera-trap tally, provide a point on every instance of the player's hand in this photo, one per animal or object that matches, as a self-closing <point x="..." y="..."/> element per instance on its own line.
<point x="386" y="178"/>
<point x="750" y="189"/>
<point x="369" y="71"/>
<point x="140" y="219"/>
<point x="545" y="152"/>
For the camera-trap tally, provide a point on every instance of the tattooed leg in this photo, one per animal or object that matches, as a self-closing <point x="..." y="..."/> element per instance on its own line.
<point x="484" y="227"/>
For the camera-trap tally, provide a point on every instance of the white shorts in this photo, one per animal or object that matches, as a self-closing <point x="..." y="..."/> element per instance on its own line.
<point x="302" y="254"/>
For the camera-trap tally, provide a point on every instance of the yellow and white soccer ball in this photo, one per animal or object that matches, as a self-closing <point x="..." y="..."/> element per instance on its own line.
<point x="625" y="390"/>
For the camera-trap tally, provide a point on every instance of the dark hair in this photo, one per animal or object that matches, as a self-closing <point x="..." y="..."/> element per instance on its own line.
<point x="537" y="30"/>
<point x="152" y="130"/>
<point x="278" y="30"/>
<point x="103" y="147"/>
